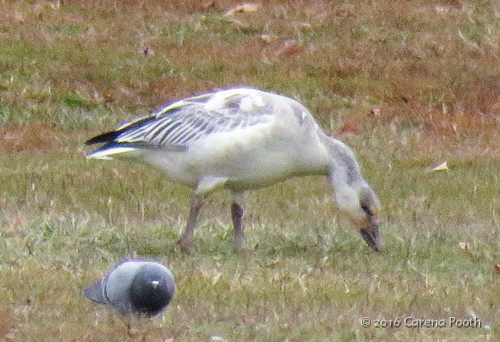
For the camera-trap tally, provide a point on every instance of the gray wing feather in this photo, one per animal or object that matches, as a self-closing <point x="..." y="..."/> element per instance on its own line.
<point x="96" y="291"/>
<point x="188" y="120"/>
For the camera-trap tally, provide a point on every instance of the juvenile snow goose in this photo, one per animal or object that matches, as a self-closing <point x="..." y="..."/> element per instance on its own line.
<point x="242" y="139"/>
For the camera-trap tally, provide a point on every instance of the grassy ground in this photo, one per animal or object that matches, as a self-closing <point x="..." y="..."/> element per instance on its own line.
<point x="429" y="70"/>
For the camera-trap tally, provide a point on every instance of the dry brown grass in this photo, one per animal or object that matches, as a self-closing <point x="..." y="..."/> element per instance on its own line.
<point x="424" y="53"/>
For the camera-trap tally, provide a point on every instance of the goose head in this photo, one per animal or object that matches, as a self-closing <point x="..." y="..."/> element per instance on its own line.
<point x="354" y="197"/>
<point x="361" y="206"/>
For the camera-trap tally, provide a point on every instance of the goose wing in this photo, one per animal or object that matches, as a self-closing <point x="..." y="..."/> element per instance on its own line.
<point x="184" y="121"/>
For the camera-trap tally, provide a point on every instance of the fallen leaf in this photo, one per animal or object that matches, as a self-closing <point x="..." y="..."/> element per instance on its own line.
<point x="208" y="4"/>
<point x="442" y="9"/>
<point x="217" y="338"/>
<point x="243" y="8"/>
<point x="148" y="51"/>
<point x="441" y="166"/>
<point x="19" y="18"/>
<point x="277" y="263"/>
<point x="108" y="99"/>
<point x="288" y="48"/>
<point x="464" y="245"/>
<point x="216" y="278"/>
<point x="375" y="112"/>
<point x="350" y="127"/>
<point x="267" y="38"/>
<point x="305" y="26"/>
<point x="497" y="268"/>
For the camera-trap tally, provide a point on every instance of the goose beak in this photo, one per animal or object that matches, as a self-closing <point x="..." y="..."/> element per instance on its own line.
<point x="371" y="235"/>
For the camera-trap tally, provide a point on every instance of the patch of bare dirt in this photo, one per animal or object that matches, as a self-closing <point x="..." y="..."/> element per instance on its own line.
<point x="27" y="138"/>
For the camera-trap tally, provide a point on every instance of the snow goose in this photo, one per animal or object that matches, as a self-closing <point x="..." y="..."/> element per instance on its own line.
<point x="242" y="139"/>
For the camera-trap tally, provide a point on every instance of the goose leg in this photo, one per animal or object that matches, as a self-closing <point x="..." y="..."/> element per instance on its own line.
<point x="236" y="216"/>
<point x="186" y="239"/>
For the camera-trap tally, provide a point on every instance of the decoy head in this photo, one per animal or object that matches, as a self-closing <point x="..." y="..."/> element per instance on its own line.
<point x="151" y="290"/>
<point x="353" y="195"/>
<point x="364" y="215"/>
<point x="361" y="206"/>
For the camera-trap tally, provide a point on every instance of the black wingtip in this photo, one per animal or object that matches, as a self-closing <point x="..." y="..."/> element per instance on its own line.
<point x="103" y="138"/>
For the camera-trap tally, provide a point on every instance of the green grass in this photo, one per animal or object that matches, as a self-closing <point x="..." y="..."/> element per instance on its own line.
<point x="70" y="71"/>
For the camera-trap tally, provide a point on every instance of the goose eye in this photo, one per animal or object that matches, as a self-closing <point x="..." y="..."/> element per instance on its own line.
<point x="366" y="209"/>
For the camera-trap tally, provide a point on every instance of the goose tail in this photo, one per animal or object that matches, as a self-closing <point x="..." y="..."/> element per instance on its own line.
<point x="111" y="150"/>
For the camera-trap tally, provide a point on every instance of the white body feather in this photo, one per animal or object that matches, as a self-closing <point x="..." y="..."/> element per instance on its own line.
<point x="286" y="143"/>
